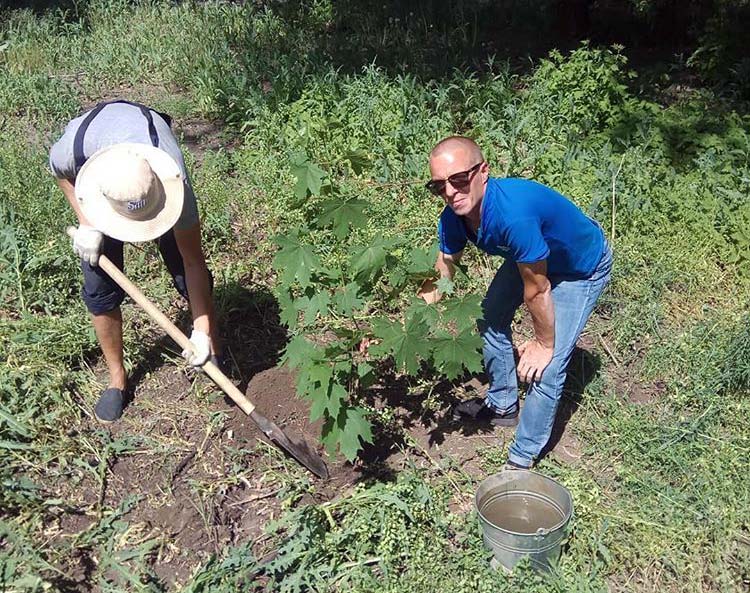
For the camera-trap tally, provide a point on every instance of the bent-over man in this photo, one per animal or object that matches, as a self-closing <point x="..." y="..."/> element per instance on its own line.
<point x="124" y="176"/>
<point x="557" y="262"/>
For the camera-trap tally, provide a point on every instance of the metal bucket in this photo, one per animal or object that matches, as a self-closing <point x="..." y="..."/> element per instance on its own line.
<point x="523" y="513"/>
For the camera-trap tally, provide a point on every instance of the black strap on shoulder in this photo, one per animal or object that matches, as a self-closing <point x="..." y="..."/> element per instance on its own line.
<point x="78" y="154"/>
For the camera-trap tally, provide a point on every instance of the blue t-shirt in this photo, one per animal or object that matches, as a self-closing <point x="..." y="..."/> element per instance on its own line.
<point x="528" y="222"/>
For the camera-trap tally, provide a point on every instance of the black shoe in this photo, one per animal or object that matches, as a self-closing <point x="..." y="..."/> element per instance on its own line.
<point x="511" y="465"/>
<point x="477" y="409"/>
<point x="110" y="405"/>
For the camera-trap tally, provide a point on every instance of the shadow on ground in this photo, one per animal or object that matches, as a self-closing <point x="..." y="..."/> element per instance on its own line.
<point x="249" y="325"/>
<point x="435" y="422"/>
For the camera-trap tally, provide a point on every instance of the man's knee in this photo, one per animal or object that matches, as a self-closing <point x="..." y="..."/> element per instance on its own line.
<point x="99" y="302"/>
<point x="100" y="293"/>
<point x="553" y="380"/>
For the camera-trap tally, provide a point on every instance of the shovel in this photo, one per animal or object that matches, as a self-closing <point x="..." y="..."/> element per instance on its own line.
<point x="299" y="450"/>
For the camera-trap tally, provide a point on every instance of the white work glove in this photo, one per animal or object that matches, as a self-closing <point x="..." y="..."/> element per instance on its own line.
<point x="201" y="348"/>
<point x="87" y="244"/>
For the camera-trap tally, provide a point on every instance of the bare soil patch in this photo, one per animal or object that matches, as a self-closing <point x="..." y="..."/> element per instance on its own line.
<point x="633" y="390"/>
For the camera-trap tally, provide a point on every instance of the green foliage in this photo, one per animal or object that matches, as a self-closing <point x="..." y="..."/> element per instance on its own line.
<point x="347" y="300"/>
<point x="339" y="107"/>
<point x="295" y="260"/>
<point x="582" y="92"/>
<point x="226" y="574"/>
<point x="384" y="528"/>
<point x="309" y="177"/>
<point x="735" y="375"/>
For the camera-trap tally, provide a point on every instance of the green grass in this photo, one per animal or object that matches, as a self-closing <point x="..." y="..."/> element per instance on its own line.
<point x="662" y="489"/>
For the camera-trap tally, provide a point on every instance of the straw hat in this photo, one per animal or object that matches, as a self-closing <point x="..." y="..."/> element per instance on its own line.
<point x="131" y="192"/>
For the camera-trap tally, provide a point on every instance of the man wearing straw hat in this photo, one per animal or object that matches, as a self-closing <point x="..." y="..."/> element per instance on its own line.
<point x="123" y="174"/>
<point x="557" y="262"/>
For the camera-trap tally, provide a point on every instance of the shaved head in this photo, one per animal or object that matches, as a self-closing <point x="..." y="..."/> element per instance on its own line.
<point x="459" y="174"/>
<point x="453" y="144"/>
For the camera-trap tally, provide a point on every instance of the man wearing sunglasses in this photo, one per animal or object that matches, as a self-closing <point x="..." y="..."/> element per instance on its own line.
<point x="557" y="262"/>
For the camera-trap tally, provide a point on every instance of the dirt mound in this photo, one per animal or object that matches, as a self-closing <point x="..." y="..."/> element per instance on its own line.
<point x="273" y="393"/>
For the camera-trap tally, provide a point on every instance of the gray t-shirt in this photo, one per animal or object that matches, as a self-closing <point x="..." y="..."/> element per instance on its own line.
<point x="116" y="123"/>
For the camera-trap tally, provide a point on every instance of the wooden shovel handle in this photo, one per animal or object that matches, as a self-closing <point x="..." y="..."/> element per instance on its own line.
<point x="182" y="340"/>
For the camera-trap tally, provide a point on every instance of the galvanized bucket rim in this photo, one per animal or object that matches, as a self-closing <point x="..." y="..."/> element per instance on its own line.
<point x="541" y="531"/>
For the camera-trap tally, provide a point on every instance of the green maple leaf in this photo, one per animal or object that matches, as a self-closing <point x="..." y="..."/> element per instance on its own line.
<point x="453" y="353"/>
<point x="327" y="275"/>
<point x="347" y="430"/>
<point x="422" y="262"/>
<point x="418" y="307"/>
<point x="330" y="433"/>
<point x="464" y="311"/>
<point x="318" y="408"/>
<point x="445" y="285"/>
<point x="295" y="260"/>
<point x="287" y="310"/>
<point x="314" y="378"/>
<point x="365" y="370"/>
<point x="357" y="429"/>
<point x="342" y="214"/>
<point x="311" y="306"/>
<point x="300" y="351"/>
<point x="346" y="299"/>
<point x="309" y="176"/>
<point x="407" y="342"/>
<point x="397" y="278"/>
<point x="368" y="261"/>
<point x="365" y="374"/>
<point x="330" y="402"/>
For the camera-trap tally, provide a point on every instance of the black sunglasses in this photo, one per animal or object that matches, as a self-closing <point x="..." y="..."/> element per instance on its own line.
<point x="460" y="181"/>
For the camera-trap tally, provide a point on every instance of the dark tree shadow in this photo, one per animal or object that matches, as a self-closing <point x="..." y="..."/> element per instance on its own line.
<point x="87" y="567"/>
<point x="39" y="6"/>
<point x="410" y="414"/>
<point x="438" y="422"/>
<point x="252" y="337"/>
<point x="432" y="38"/>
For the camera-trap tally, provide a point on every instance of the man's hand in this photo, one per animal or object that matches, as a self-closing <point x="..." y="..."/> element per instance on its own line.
<point x="534" y="359"/>
<point x="429" y="292"/>
<point x="445" y="265"/>
<point x="87" y="244"/>
<point x="201" y="348"/>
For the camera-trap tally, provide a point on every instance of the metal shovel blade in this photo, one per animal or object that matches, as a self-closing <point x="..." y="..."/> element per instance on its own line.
<point x="300" y="450"/>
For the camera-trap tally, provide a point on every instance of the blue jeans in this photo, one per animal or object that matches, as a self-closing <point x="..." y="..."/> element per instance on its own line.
<point x="573" y="300"/>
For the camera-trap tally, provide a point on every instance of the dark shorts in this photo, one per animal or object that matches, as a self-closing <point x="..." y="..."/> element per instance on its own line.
<point x="102" y="294"/>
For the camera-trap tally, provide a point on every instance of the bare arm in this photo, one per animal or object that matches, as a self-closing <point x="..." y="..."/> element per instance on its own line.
<point x="68" y="188"/>
<point x="536" y="354"/>
<point x="198" y="286"/>
<point x="537" y="294"/>
<point x="446" y="267"/>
